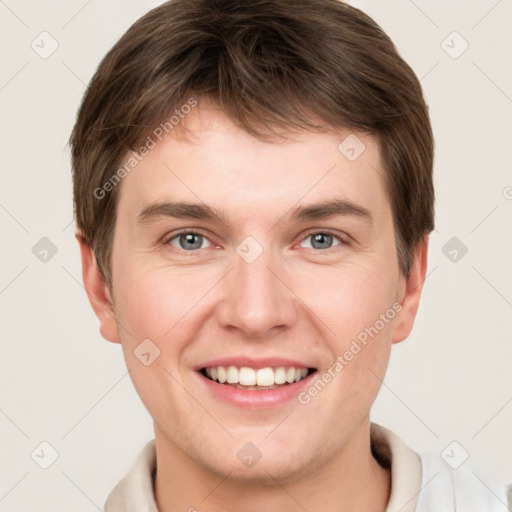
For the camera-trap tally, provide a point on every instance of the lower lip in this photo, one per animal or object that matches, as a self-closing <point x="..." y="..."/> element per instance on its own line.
<point x="254" y="399"/>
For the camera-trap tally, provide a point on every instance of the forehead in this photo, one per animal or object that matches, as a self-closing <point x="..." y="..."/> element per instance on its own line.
<point x="221" y="165"/>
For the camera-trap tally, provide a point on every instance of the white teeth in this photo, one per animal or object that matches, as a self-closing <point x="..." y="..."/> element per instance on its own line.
<point x="247" y="376"/>
<point x="232" y="373"/>
<point x="280" y="375"/>
<point x="262" y="378"/>
<point x="265" y="377"/>
<point x="221" y="374"/>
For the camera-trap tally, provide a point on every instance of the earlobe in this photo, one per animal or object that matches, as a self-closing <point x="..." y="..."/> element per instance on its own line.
<point x="410" y="292"/>
<point x="98" y="292"/>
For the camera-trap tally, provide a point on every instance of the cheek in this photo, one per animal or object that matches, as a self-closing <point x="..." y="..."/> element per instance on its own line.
<point x="355" y="305"/>
<point x="158" y="303"/>
<point x="167" y="307"/>
<point x="349" y="299"/>
<point x="157" y="310"/>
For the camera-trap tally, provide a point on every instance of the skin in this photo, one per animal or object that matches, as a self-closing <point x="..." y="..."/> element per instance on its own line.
<point x="294" y="300"/>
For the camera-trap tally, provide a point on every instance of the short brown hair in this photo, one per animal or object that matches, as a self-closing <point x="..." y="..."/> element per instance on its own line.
<point x="270" y="65"/>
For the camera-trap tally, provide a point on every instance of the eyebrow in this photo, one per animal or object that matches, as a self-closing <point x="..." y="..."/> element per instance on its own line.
<point x="180" y="210"/>
<point x="317" y="211"/>
<point x="329" y="209"/>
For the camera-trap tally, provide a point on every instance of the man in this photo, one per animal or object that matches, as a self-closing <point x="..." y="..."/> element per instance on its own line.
<point x="253" y="194"/>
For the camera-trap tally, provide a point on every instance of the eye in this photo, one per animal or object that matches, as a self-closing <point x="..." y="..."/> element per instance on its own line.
<point x="322" y="240"/>
<point x="188" y="241"/>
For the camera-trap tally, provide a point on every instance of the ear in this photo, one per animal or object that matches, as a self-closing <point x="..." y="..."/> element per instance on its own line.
<point x="97" y="292"/>
<point x="410" y="292"/>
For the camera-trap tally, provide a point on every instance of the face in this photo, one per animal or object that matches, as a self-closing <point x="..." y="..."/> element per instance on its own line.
<point x="259" y="262"/>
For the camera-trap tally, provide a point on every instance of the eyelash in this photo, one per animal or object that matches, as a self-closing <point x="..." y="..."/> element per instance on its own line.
<point x="308" y="235"/>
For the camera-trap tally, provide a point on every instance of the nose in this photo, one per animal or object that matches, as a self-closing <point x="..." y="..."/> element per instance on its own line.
<point x="257" y="299"/>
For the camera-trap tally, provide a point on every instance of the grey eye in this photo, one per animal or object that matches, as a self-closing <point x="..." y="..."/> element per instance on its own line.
<point x="321" y="240"/>
<point x="188" y="241"/>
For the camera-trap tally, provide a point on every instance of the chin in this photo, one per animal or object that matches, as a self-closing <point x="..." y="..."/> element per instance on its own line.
<point x="264" y="473"/>
<point x="245" y="462"/>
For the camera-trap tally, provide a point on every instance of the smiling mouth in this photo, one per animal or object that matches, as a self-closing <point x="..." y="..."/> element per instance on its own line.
<point x="251" y="379"/>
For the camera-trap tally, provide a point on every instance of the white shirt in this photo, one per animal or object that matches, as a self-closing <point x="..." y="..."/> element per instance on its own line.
<point x="423" y="483"/>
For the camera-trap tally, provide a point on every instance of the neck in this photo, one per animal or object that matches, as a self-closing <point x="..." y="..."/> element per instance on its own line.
<point x="352" y="480"/>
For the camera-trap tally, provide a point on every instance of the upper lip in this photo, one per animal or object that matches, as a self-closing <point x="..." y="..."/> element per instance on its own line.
<point x="243" y="361"/>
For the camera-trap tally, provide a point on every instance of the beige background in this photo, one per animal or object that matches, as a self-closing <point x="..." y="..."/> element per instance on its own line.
<point x="60" y="382"/>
